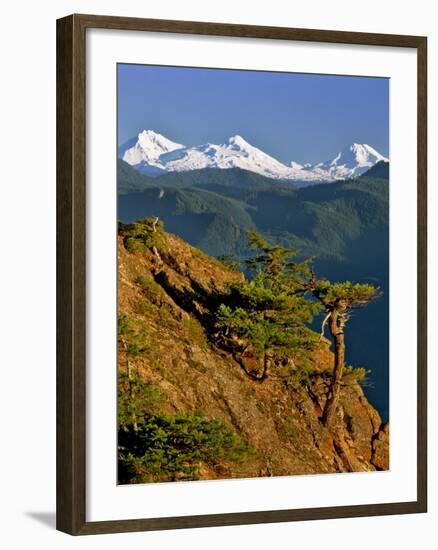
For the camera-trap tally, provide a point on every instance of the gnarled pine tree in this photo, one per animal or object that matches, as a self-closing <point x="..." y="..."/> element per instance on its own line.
<point x="338" y="300"/>
<point x="269" y="313"/>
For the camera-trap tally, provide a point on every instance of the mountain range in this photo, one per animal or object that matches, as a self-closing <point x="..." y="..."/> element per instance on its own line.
<point x="153" y="154"/>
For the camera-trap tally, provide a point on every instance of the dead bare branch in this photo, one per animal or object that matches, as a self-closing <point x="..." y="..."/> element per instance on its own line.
<point x="154" y="224"/>
<point x="326" y="318"/>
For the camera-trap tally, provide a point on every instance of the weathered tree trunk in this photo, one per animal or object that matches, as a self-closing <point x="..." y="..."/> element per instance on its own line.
<point x="337" y="332"/>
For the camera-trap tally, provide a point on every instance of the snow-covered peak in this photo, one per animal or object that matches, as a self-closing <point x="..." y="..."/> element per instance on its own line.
<point x="363" y="154"/>
<point x="156" y="144"/>
<point x="352" y="161"/>
<point x="235" y="152"/>
<point x="148" y="148"/>
<point x="238" y="142"/>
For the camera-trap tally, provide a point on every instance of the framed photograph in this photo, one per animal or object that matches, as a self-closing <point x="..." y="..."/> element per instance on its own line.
<point x="241" y="288"/>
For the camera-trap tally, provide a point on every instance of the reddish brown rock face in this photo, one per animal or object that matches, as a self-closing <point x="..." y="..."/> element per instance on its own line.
<point x="280" y="418"/>
<point x="380" y="456"/>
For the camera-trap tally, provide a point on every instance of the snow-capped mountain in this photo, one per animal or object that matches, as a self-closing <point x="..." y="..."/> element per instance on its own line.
<point x="352" y="161"/>
<point x="146" y="149"/>
<point x="154" y="154"/>
<point x="234" y="153"/>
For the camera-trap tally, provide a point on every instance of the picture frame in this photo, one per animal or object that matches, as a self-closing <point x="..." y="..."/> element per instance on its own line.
<point x="72" y="272"/>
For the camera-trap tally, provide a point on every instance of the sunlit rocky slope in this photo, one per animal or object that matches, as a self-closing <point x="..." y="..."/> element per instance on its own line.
<point x="166" y="298"/>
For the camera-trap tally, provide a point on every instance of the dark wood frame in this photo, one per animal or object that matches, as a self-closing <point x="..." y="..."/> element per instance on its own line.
<point x="71" y="266"/>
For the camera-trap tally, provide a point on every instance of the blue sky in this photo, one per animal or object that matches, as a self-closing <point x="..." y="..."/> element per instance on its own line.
<point x="302" y="117"/>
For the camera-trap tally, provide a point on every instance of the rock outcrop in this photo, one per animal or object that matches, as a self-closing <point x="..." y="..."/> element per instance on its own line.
<point x="171" y="297"/>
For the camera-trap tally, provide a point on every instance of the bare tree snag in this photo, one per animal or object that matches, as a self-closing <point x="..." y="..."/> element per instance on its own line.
<point x="156" y="253"/>
<point x="154" y="224"/>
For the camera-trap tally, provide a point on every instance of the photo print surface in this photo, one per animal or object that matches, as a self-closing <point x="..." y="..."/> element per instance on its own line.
<point x="253" y="274"/>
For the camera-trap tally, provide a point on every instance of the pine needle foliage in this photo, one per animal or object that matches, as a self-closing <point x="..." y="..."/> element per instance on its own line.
<point x="155" y="446"/>
<point x="270" y="312"/>
<point x="173" y="447"/>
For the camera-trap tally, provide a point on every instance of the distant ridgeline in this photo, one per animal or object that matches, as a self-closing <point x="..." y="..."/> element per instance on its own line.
<point x="211" y="208"/>
<point x="343" y="224"/>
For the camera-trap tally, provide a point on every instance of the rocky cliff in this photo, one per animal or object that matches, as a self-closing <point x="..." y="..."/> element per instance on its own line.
<point x="168" y="293"/>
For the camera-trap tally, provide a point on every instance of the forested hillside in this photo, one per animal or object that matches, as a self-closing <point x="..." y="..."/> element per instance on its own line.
<point x="344" y="225"/>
